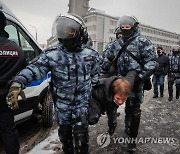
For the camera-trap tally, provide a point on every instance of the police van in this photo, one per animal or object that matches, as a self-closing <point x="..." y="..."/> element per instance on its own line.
<point x="39" y="101"/>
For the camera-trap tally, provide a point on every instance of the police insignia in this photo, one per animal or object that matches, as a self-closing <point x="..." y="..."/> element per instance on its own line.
<point x="88" y="58"/>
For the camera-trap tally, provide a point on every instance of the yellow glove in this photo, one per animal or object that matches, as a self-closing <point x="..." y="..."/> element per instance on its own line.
<point x="12" y="97"/>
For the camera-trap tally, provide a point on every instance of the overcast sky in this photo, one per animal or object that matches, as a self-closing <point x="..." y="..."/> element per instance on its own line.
<point x="163" y="14"/>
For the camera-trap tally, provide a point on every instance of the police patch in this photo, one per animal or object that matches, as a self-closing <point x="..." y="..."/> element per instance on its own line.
<point x="88" y="58"/>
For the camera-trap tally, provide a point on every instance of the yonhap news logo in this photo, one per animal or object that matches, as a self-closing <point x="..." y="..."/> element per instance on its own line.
<point x="103" y="140"/>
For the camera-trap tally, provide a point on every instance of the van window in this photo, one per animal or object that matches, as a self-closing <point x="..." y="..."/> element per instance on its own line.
<point x="17" y="35"/>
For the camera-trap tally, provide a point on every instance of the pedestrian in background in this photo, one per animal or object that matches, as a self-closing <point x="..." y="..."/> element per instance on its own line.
<point x="143" y="49"/>
<point x="74" y="69"/>
<point x="12" y="60"/>
<point x="174" y="72"/>
<point x="160" y="72"/>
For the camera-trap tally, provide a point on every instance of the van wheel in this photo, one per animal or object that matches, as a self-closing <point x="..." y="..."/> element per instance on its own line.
<point x="47" y="110"/>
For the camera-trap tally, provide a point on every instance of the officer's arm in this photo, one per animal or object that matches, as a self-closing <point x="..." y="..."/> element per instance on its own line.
<point x="108" y="56"/>
<point x="148" y="56"/>
<point x="95" y="70"/>
<point x="36" y="70"/>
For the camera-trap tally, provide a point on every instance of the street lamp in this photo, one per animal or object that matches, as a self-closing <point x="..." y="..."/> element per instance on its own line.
<point x="35" y="30"/>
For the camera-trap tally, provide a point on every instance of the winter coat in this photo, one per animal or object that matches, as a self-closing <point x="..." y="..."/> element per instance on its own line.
<point x="163" y="65"/>
<point x="174" y="66"/>
<point x="103" y="93"/>
<point x="72" y="75"/>
<point x="12" y="60"/>
<point x="140" y="47"/>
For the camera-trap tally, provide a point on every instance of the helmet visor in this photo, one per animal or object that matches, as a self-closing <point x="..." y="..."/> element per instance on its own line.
<point x="65" y="28"/>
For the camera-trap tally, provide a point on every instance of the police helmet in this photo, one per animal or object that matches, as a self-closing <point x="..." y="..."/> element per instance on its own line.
<point x="67" y="26"/>
<point x="176" y="48"/>
<point x="128" y="20"/>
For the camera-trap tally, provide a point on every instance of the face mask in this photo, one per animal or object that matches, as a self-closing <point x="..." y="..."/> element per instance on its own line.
<point x="127" y="32"/>
<point x="70" y="44"/>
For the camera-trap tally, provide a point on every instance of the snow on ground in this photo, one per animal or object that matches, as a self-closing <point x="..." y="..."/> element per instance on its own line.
<point x="49" y="146"/>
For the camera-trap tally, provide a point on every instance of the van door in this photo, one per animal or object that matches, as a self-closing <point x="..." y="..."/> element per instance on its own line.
<point x="17" y="35"/>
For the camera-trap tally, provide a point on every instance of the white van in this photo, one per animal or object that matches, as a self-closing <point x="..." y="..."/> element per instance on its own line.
<point x="39" y="101"/>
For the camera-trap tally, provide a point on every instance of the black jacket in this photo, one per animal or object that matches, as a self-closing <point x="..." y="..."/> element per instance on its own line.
<point x="103" y="93"/>
<point x="162" y="68"/>
<point x="12" y="60"/>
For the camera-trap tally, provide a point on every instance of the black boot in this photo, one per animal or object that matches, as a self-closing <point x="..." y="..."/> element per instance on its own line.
<point x="81" y="140"/>
<point x="112" y="129"/>
<point x="65" y="135"/>
<point x="170" y="91"/>
<point x="132" y="146"/>
<point x="127" y="125"/>
<point x="170" y="98"/>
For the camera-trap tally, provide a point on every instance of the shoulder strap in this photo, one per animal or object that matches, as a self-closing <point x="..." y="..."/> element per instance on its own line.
<point x="134" y="57"/>
<point x="124" y="46"/>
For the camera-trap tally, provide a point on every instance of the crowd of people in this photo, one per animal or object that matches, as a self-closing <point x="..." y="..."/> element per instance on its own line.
<point x="77" y="79"/>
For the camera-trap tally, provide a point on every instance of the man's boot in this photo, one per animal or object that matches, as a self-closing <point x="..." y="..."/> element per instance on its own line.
<point x="127" y="125"/>
<point x="132" y="146"/>
<point x="170" y="91"/>
<point x="81" y="140"/>
<point x="170" y="98"/>
<point x="65" y="135"/>
<point x="112" y="128"/>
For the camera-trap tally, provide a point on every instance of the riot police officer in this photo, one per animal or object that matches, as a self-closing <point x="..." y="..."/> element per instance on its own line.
<point x="74" y="68"/>
<point x="174" y="72"/>
<point x="12" y="60"/>
<point x="143" y="49"/>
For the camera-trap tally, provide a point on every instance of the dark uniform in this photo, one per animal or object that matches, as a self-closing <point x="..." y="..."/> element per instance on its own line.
<point x="12" y="61"/>
<point x="174" y="73"/>
<point x="143" y="49"/>
<point x="74" y="68"/>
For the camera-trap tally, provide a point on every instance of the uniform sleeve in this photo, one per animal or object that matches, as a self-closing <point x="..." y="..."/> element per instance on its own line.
<point x="148" y="55"/>
<point x="36" y="70"/>
<point x="108" y="56"/>
<point x="95" y="69"/>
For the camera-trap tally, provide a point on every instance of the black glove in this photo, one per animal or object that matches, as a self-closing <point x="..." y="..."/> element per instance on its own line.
<point x="12" y="97"/>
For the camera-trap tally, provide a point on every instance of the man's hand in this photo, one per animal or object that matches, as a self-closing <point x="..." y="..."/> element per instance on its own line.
<point x="12" y="97"/>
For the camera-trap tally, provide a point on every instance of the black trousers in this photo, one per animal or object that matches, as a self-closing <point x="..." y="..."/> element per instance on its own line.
<point x="8" y="131"/>
<point x="132" y="116"/>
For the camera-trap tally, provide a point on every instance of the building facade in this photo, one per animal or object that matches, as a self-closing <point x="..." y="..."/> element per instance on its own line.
<point x="101" y="27"/>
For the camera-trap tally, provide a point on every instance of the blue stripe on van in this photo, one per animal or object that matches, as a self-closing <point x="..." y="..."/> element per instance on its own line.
<point x="38" y="82"/>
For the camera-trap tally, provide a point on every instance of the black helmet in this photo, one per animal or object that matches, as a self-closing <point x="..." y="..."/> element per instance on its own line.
<point x="2" y="21"/>
<point x="70" y="30"/>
